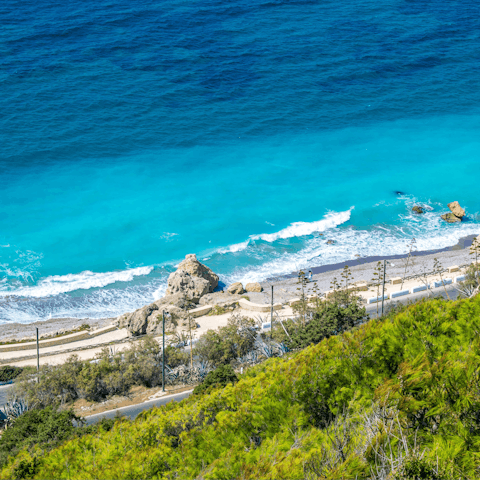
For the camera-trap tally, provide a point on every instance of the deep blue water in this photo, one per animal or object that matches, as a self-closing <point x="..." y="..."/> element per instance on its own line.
<point x="133" y="133"/>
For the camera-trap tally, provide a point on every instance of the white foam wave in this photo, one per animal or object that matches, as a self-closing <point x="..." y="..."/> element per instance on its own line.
<point x="296" y="229"/>
<point x="300" y="229"/>
<point x="430" y="232"/>
<point x="58" y="284"/>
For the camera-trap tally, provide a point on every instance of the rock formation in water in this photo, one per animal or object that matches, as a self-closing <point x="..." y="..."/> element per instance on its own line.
<point x="456" y="213"/>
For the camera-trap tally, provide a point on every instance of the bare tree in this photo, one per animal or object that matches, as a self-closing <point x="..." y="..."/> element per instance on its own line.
<point x="411" y="247"/>
<point x="438" y="270"/>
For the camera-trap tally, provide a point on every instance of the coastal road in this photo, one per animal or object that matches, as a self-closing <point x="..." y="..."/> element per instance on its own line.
<point x="437" y="292"/>
<point x="133" y="410"/>
<point x="4" y="391"/>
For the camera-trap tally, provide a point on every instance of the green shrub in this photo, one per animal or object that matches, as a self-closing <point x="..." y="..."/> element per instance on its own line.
<point x="227" y="343"/>
<point x="221" y="376"/>
<point x="8" y="373"/>
<point x="111" y="375"/>
<point x="37" y="427"/>
<point x="355" y="405"/>
<point x="217" y="310"/>
<point x="26" y="469"/>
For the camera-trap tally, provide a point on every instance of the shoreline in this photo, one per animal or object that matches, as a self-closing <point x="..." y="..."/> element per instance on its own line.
<point x="285" y="287"/>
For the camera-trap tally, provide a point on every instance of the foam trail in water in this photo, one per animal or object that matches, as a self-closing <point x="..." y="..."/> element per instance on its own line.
<point x="430" y="232"/>
<point x="58" y="284"/>
<point x="296" y="229"/>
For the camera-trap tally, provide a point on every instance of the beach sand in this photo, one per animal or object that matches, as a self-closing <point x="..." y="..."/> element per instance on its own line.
<point x="285" y="288"/>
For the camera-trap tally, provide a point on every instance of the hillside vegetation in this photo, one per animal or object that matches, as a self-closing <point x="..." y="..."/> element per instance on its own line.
<point x="397" y="397"/>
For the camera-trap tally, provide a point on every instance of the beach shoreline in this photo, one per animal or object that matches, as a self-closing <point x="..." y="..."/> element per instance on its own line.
<point x="286" y="287"/>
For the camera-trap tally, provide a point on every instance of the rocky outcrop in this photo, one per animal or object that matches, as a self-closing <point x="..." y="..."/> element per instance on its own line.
<point x="136" y="323"/>
<point x="451" y="218"/>
<point x="191" y="287"/>
<point x="177" y="300"/>
<point x="224" y="299"/>
<point x="418" y="209"/>
<point x="192" y="278"/>
<point x="253" y="287"/>
<point x="456" y="209"/>
<point x="186" y="286"/>
<point x="456" y="215"/>
<point x="148" y="319"/>
<point x="235" y="288"/>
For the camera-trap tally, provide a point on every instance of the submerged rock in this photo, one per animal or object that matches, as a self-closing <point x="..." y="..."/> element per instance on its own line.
<point x="456" y="209"/>
<point x="418" y="209"/>
<point x="450" y="218"/>
<point x="236" y="287"/>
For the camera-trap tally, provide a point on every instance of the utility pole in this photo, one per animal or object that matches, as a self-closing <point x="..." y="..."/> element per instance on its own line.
<point x="38" y="356"/>
<point x="383" y="290"/>
<point x="163" y="351"/>
<point x="271" y="315"/>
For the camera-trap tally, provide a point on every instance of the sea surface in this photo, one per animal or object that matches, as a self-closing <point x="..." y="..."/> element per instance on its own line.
<point x="247" y="132"/>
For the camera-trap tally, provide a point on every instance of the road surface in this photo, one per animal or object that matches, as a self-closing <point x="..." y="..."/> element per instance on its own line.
<point x="4" y="391"/>
<point x="133" y="410"/>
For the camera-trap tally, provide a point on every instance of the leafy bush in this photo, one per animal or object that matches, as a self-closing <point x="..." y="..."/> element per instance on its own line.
<point x="355" y="405"/>
<point x="37" y="427"/>
<point x="8" y="373"/>
<point x="221" y="376"/>
<point x="110" y="375"/>
<point x="217" y="310"/>
<point x="227" y="343"/>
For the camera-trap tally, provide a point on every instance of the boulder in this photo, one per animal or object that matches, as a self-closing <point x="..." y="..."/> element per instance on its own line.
<point x="192" y="278"/>
<point x="235" y="288"/>
<point x="136" y="323"/>
<point x="196" y="269"/>
<point x="154" y="321"/>
<point x="178" y="300"/>
<point x="220" y="298"/>
<point x="418" y="209"/>
<point x="191" y="287"/>
<point x="450" y="218"/>
<point x="331" y="242"/>
<point x="148" y="319"/>
<point x="456" y="209"/>
<point x="253" y="287"/>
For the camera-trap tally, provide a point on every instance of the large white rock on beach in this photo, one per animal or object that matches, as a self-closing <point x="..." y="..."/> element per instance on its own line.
<point x="253" y="287"/>
<point x="456" y="209"/>
<point x="235" y="288"/>
<point x="192" y="278"/>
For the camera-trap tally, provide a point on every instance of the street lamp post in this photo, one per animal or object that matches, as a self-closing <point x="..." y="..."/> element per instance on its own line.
<point x="163" y="351"/>
<point x="383" y="289"/>
<point x="271" y="315"/>
<point x="38" y="357"/>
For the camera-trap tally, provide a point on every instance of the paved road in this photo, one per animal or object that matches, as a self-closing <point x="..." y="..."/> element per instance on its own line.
<point x="4" y="391"/>
<point x="437" y="292"/>
<point x="134" y="410"/>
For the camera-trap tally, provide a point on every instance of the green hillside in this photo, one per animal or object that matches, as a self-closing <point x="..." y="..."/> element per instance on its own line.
<point x="394" y="398"/>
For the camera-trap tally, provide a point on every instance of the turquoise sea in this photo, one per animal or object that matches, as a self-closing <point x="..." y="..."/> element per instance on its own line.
<point x="249" y="133"/>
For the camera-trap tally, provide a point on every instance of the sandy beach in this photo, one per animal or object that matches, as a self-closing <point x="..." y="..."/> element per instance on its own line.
<point x="285" y="288"/>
